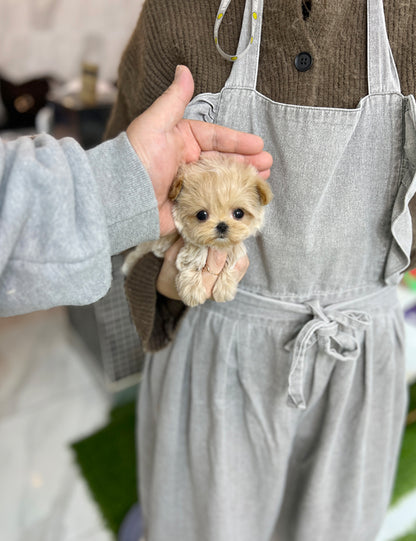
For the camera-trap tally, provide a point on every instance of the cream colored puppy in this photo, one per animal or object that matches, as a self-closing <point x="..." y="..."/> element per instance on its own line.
<point x="218" y="203"/>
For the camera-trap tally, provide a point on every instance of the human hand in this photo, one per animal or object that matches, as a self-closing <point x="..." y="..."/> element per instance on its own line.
<point x="215" y="262"/>
<point x="163" y="140"/>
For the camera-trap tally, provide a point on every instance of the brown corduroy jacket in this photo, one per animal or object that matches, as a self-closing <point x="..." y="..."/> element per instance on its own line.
<point x="175" y="32"/>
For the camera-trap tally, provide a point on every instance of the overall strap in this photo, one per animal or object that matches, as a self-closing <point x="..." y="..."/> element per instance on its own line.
<point x="382" y="72"/>
<point x="246" y="59"/>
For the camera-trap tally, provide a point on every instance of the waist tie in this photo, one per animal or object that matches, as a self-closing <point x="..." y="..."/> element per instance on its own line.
<point x="323" y="328"/>
<point x="331" y="326"/>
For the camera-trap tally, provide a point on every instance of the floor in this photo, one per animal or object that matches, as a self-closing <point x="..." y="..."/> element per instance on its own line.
<point x="50" y="396"/>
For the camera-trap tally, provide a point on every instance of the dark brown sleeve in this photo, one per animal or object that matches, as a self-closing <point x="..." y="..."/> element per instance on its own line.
<point x="156" y="317"/>
<point x="412" y="207"/>
<point x="146" y="69"/>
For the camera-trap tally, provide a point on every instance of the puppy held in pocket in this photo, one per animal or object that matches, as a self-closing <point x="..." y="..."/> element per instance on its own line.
<point x="218" y="202"/>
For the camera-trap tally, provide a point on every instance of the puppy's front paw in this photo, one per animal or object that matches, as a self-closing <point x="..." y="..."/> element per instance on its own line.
<point x="225" y="288"/>
<point x="190" y="288"/>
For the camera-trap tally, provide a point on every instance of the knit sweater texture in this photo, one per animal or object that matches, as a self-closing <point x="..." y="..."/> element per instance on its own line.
<point x="334" y="32"/>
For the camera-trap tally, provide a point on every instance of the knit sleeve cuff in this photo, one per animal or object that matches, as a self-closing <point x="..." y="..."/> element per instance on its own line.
<point x="155" y="317"/>
<point x="127" y="194"/>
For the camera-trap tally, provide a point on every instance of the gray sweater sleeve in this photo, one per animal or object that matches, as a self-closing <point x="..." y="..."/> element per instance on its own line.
<point x="63" y="213"/>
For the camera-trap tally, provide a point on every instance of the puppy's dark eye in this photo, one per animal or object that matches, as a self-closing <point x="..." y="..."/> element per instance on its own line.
<point x="202" y="215"/>
<point x="238" y="214"/>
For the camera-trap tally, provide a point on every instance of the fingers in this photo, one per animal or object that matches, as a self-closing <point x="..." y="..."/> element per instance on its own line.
<point x="166" y="223"/>
<point x="213" y="266"/>
<point x="264" y="174"/>
<point x="240" y="268"/>
<point x="215" y="263"/>
<point x="214" y="137"/>
<point x="169" y="108"/>
<point x="172" y="252"/>
<point x="166" y="280"/>
<point x="262" y="161"/>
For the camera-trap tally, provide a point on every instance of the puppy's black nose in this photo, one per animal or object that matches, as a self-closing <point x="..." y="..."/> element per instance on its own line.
<point x="222" y="227"/>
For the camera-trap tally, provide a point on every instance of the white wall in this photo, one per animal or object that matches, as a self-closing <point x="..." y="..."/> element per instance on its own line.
<point x="49" y="37"/>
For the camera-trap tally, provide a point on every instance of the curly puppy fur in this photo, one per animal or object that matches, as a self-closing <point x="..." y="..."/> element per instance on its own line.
<point x="218" y="202"/>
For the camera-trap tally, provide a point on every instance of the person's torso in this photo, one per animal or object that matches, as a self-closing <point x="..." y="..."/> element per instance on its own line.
<point x="336" y="176"/>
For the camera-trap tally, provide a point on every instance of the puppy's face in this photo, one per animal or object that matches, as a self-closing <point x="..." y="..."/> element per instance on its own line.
<point x="219" y="202"/>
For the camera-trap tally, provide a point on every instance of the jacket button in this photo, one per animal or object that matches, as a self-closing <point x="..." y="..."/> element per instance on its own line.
<point x="303" y="61"/>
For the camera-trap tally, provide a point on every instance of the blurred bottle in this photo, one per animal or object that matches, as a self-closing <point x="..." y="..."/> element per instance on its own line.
<point x="90" y="70"/>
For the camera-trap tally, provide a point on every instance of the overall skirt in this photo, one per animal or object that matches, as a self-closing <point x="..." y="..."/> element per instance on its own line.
<point x="278" y="416"/>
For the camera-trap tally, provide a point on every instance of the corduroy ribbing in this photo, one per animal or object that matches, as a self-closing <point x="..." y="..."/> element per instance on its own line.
<point x="181" y="32"/>
<point x="154" y="316"/>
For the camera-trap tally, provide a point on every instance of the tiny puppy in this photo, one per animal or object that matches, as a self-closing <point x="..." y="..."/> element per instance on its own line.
<point x="217" y="202"/>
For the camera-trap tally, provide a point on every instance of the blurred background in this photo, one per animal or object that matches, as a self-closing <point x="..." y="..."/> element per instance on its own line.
<point x="69" y="376"/>
<point x="65" y="374"/>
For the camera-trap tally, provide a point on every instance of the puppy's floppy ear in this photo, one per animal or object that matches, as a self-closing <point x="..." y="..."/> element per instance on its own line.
<point x="264" y="191"/>
<point x="176" y="186"/>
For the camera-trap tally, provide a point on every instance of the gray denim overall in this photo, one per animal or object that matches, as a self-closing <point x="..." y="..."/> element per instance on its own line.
<point x="278" y="416"/>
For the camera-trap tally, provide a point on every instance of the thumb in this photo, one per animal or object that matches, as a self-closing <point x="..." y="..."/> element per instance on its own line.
<point x="170" y="106"/>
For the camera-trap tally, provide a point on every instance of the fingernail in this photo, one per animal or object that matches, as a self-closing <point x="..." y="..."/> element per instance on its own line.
<point x="178" y="71"/>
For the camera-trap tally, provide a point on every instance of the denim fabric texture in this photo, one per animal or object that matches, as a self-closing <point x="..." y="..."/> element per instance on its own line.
<point x="278" y="416"/>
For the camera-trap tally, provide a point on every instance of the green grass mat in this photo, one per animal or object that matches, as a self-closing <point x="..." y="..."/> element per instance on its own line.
<point x="108" y="462"/>
<point x="406" y="471"/>
<point x="411" y="536"/>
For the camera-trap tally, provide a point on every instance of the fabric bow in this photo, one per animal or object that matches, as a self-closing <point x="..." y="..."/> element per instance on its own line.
<point x="324" y="328"/>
